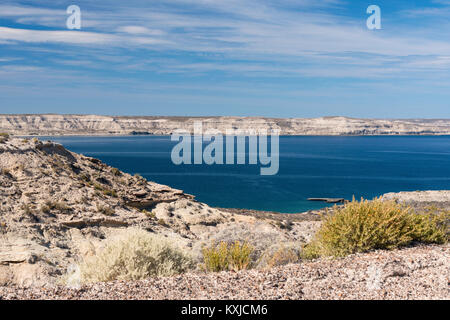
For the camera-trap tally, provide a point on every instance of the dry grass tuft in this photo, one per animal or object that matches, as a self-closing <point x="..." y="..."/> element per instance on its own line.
<point x="137" y="255"/>
<point x="106" y="210"/>
<point x="227" y="256"/>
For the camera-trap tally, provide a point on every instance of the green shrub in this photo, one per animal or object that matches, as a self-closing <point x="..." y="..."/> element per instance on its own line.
<point x="149" y="214"/>
<point x="361" y="226"/>
<point x="3" y="137"/>
<point x="109" y="192"/>
<point x="226" y="256"/>
<point x="85" y="177"/>
<point x="104" y="190"/>
<point x="137" y="255"/>
<point x="107" y="211"/>
<point x="98" y="187"/>
<point x="116" y="172"/>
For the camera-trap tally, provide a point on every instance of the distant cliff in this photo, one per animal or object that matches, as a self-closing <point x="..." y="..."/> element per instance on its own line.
<point x="54" y="124"/>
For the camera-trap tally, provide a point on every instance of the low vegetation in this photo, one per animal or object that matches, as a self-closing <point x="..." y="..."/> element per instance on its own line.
<point x="136" y="255"/>
<point x="27" y="209"/>
<point x="105" y="191"/>
<point x="58" y="206"/>
<point x="361" y="226"/>
<point x="106" y="210"/>
<point x="116" y="172"/>
<point x="4" y="137"/>
<point x="279" y="255"/>
<point x="5" y="171"/>
<point x="227" y="256"/>
<point x="149" y="214"/>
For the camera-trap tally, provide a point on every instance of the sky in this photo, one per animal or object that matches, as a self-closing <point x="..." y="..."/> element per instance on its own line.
<point x="272" y="58"/>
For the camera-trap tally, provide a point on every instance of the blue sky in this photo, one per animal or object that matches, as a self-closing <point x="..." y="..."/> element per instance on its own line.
<point x="283" y="58"/>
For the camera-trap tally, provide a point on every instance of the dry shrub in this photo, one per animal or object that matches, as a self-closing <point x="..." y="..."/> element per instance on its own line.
<point x="4" y="137"/>
<point x="106" y="210"/>
<point x="60" y="206"/>
<point x="279" y="255"/>
<point x="136" y="255"/>
<point x="361" y="226"/>
<point x="116" y="172"/>
<point x="259" y="235"/>
<point x="5" y="171"/>
<point x="227" y="256"/>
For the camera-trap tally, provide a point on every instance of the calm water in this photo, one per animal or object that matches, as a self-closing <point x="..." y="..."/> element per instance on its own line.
<point x="309" y="167"/>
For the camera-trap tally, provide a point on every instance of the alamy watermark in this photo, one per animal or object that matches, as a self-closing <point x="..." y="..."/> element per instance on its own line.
<point x="74" y="20"/>
<point x="190" y="148"/>
<point x="374" y="21"/>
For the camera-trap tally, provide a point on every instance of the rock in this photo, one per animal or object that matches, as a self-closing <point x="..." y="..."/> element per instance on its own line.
<point x="58" y="207"/>
<point x="55" y="124"/>
<point x="328" y="200"/>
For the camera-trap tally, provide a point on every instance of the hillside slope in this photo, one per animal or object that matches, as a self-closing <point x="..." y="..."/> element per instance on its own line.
<point x="58" y="206"/>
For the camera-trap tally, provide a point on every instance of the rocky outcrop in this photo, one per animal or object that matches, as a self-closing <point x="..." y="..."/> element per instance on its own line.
<point x="57" y="206"/>
<point x="422" y="200"/>
<point x="54" y="124"/>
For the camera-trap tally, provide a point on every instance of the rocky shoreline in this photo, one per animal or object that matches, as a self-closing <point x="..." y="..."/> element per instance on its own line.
<point x="58" y="207"/>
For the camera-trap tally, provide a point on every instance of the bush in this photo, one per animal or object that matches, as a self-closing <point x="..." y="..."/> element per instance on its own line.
<point x="26" y="209"/>
<point x="280" y="254"/>
<point x="3" y="137"/>
<point x="368" y="225"/>
<point x="258" y="236"/>
<point x="107" y="211"/>
<point x="225" y="256"/>
<point x="137" y="255"/>
<point x="5" y="171"/>
<point x="61" y="207"/>
<point x="109" y="192"/>
<point x="116" y="172"/>
<point x="162" y="222"/>
<point x="149" y="214"/>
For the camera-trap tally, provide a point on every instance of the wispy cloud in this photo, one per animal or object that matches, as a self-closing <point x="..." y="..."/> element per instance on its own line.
<point x="71" y="37"/>
<point x="280" y="41"/>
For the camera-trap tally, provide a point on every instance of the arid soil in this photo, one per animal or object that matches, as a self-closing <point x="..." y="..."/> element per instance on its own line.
<point x="413" y="273"/>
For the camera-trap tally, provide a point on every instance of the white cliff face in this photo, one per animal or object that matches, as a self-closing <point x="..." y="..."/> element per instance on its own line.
<point x="106" y="125"/>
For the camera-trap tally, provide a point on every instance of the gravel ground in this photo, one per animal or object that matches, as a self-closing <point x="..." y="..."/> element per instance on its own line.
<point x="414" y="273"/>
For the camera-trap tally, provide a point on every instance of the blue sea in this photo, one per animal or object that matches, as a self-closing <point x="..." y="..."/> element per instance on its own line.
<point x="310" y="166"/>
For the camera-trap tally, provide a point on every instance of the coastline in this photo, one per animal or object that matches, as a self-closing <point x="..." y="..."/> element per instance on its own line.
<point x="62" y="207"/>
<point x="95" y="125"/>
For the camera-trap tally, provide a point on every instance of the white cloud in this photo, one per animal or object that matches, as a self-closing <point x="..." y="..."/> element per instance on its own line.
<point x="245" y="30"/>
<point x="139" y="30"/>
<point x="66" y="36"/>
<point x="15" y="11"/>
<point x="73" y="37"/>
